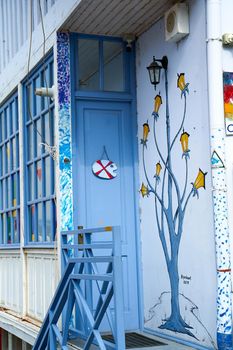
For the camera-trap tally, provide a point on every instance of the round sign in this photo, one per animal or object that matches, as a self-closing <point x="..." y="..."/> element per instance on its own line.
<point x="104" y="169"/>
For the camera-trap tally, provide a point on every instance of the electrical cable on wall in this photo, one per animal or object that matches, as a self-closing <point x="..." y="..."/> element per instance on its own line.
<point x="52" y="150"/>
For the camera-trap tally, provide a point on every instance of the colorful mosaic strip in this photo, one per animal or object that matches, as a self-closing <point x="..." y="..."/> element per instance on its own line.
<point x="65" y="152"/>
<point x="224" y="324"/>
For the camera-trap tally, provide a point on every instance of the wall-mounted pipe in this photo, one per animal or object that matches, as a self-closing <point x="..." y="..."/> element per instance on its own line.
<point x="45" y="91"/>
<point x="217" y="131"/>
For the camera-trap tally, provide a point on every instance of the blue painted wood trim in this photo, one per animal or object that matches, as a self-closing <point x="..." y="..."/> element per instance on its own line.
<point x="65" y="131"/>
<point x="100" y="96"/>
<point x="129" y="95"/>
<point x="37" y="72"/>
<point x="9" y="112"/>
<point x="132" y="82"/>
<point x="13" y="246"/>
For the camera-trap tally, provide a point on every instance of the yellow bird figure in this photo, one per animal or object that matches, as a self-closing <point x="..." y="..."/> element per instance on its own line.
<point x="144" y="190"/>
<point x="181" y="84"/>
<point x="199" y="182"/>
<point x="146" y="130"/>
<point x="158" y="169"/>
<point x="157" y="103"/>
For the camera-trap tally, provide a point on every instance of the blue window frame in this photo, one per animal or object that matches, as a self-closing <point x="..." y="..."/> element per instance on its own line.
<point x="9" y="173"/>
<point x="96" y="58"/>
<point x="40" y="166"/>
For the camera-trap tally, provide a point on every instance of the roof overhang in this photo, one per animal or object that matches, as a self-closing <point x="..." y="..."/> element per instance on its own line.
<point x="115" y="17"/>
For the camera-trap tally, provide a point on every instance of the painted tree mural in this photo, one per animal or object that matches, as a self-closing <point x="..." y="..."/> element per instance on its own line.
<point x="171" y="197"/>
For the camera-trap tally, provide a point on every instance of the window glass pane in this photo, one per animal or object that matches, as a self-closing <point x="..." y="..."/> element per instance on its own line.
<point x="4" y="193"/>
<point x="8" y="157"/>
<point x="1" y="198"/>
<point x="51" y="73"/>
<point x="38" y="137"/>
<point x="3" y="126"/>
<point x="13" y="111"/>
<point x="88" y="64"/>
<point x="52" y="141"/>
<point x="16" y="115"/>
<point x="9" y="237"/>
<point x="40" y="222"/>
<point x="17" y="151"/>
<point x="2" y="228"/>
<point x="1" y="130"/>
<point x="37" y="84"/>
<point x="29" y="108"/>
<point x="47" y="128"/>
<point x="48" y="221"/>
<point x="32" y="223"/>
<point x="8" y="191"/>
<point x="1" y="159"/>
<point x="7" y="124"/>
<point x="31" y="182"/>
<point x="39" y="179"/>
<point x="14" y="193"/>
<point x="113" y="66"/>
<point x="30" y="141"/>
<point x="17" y="189"/>
<point x="45" y="82"/>
<point x="15" y="217"/>
<point x="14" y="154"/>
<point x="48" y="176"/>
<point x="3" y="165"/>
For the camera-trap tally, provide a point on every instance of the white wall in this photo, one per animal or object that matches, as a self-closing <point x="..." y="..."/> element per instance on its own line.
<point x="11" y="291"/>
<point x="197" y="249"/>
<point x="17" y="67"/>
<point x="42" y="276"/>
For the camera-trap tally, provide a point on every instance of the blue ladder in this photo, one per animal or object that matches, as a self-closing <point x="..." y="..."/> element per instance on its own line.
<point x="85" y="269"/>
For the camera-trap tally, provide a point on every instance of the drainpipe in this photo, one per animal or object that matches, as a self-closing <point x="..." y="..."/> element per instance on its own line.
<point x="217" y="130"/>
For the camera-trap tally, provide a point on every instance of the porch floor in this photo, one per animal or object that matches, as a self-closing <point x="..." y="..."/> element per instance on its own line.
<point x="167" y="344"/>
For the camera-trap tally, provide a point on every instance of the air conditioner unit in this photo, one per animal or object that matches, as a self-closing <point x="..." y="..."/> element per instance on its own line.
<point x="176" y="22"/>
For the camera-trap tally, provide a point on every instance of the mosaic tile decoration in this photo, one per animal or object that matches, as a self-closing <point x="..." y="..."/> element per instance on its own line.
<point x="224" y="324"/>
<point x="65" y="143"/>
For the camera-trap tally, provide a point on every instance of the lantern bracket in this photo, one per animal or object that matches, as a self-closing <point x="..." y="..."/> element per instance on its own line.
<point x="163" y="61"/>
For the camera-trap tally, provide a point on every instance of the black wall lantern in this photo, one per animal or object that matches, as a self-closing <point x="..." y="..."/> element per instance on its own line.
<point x="154" y="69"/>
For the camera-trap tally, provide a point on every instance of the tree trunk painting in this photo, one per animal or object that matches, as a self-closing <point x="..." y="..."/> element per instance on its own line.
<point x="171" y="197"/>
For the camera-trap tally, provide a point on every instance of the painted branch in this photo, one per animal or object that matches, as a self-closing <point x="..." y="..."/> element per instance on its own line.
<point x="156" y="144"/>
<point x="185" y="188"/>
<point x="156" y="213"/>
<point x="168" y="163"/>
<point x="187" y="200"/>
<point x="149" y="184"/>
<point x="145" y="172"/>
<point x="163" y="187"/>
<point x="182" y="123"/>
<point x="164" y="245"/>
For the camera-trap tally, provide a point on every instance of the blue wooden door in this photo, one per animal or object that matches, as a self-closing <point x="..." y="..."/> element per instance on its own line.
<point x="100" y="202"/>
